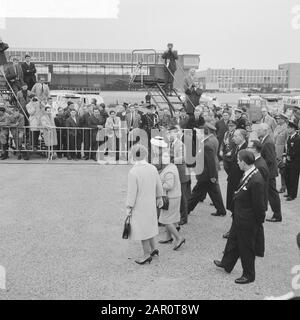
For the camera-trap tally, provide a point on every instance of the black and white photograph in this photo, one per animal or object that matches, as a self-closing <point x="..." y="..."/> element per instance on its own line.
<point x="149" y="151"/>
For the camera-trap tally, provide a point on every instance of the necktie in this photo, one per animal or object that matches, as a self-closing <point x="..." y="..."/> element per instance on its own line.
<point x="42" y="87"/>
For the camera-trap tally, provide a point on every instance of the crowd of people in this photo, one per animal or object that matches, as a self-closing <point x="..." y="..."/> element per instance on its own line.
<point x="252" y="161"/>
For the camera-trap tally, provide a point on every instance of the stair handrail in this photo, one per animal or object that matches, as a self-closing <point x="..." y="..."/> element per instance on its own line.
<point x="176" y="82"/>
<point x="12" y="91"/>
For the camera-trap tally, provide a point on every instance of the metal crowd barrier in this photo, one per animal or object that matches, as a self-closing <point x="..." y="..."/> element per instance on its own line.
<point x="77" y="142"/>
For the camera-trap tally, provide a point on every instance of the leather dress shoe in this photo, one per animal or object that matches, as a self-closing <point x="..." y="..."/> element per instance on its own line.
<point x="290" y="199"/>
<point x="218" y="214"/>
<point x="286" y="195"/>
<point x="226" y="235"/>
<point x="243" y="280"/>
<point x="274" y="220"/>
<point x="219" y="264"/>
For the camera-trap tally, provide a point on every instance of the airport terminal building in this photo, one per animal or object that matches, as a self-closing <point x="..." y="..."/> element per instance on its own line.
<point x="89" y="70"/>
<point x="236" y="79"/>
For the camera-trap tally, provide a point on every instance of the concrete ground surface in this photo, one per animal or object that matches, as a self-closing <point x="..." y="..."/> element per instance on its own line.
<point x="60" y="238"/>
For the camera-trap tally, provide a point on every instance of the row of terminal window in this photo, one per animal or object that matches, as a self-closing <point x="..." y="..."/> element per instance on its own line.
<point x="86" y="56"/>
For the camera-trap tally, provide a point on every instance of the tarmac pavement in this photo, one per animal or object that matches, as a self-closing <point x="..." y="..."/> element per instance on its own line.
<point x="60" y="238"/>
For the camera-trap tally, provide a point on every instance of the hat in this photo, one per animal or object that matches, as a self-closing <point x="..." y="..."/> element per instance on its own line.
<point x="231" y="123"/>
<point x="238" y="110"/>
<point x="27" y="55"/>
<point x="159" y="142"/>
<point x="170" y="44"/>
<point x="292" y="124"/>
<point x="210" y="126"/>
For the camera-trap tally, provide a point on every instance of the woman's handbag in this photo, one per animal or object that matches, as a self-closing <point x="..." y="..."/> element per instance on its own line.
<point x="127" y="228"/>
<point x="165" y="203"/>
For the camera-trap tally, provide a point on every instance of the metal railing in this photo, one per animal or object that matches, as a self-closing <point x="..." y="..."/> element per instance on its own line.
<point x="76" y="142"/>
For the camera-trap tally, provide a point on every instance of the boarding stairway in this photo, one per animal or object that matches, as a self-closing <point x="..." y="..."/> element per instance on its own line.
<point x="5" y="92"/>
<point x="151" y="77"/>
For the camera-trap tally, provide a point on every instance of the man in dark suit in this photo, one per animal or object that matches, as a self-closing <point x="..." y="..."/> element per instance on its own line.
<point x="235" y="174"/>
<point x="196" y="120"/>
<point x="222" y="128"/>
<point x="292" y="161"/>
<point x="29" y="72"/>
<point x="240" y="121"/>
<point x="207" y="181"/>
<point x="74" y="136"/>
<point x="227" y="146"/>
<point x="95" y="122"/>
<point x="14" y="75"/>
<point x="60" y="123"/>
<point x="248" y="216"/>
<point x="255" y="146"/>
<point x="268" y="152"/>
<point x="170" y="56"/>
<point x="87" y="133"/>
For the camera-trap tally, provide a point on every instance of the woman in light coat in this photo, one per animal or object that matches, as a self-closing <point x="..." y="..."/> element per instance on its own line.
<point x="49" y="129"/>
<point x="172" y="190"/>
<point x="34" y="110"/>
<point x="144" y="194"/>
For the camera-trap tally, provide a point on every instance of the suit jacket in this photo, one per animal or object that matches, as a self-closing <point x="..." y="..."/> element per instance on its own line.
<point x="221" y="127"/>
<point x="293" y="152"/>
<point x="41" y="91"/>
<point x="280" y="139"/>
<point x="192" y="99"/>
<point x="172" y="56"/>
<point x="136" y="120"/>
<point x="270" y="121"/>
<point x="84" y="120"/>
<point x="14" y="73"/>
<point x="195" y="123"/>
<point x="93" y="123"/>
<point x="70" y="123"/>
<point x="234" y="176"/>
<point x="249" y="201"/>
<point x="261" y="165"/>
<point x="210" y="169"/>
<point x="269" y="154"/>
<point x="29" y="71"/>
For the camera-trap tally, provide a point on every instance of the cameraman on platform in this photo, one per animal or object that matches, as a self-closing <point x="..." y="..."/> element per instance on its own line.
<point x="170" y="56"/>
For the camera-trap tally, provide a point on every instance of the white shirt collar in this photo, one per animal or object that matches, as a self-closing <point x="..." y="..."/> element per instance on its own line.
<point x="257" y="157"/>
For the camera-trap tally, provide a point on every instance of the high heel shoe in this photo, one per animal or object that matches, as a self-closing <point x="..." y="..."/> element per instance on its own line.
<point x="179" y="245"/>
<point x="154" y="253"/>
<point x="149" y="259"/>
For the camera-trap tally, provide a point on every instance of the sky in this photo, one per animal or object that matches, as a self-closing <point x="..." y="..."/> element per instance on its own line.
<point x="225" y="33"/>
